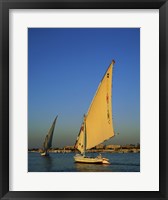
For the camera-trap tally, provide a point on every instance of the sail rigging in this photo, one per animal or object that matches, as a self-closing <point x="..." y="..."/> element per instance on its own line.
<point x="98" y="120"/>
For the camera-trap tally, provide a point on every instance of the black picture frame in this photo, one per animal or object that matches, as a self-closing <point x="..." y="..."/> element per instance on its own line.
<point x="5" y="6"/>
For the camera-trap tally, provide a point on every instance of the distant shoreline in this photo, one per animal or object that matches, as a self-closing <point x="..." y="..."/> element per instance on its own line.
<point x="119" y="149"/>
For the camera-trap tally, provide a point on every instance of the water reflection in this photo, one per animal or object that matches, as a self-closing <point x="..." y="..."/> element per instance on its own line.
<point x="58" y="162"/>
<point x="48" y="162"/>
<point x="85" y="167"/>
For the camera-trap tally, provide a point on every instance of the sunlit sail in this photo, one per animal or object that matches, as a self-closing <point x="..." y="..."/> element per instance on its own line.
<point x="97" y="124"/>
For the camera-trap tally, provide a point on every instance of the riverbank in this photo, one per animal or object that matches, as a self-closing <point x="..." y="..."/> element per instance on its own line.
<point x="133" y="150"/>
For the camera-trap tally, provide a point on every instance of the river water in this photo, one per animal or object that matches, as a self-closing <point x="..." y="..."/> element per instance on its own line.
<point x="64" y="162"/>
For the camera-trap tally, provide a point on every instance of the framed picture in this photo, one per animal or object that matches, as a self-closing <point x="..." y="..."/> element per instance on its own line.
<point x="83" y="98"/>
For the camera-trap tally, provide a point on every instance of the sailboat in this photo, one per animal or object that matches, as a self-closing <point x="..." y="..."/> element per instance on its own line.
<point x="48" y="139"/>
<point x="97" y="125"/>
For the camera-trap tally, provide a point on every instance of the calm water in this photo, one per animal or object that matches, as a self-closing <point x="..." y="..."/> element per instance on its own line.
<point x="59" y="162"/>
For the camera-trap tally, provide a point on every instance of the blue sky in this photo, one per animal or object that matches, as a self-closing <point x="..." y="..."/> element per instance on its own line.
<point x="65" y="66"/>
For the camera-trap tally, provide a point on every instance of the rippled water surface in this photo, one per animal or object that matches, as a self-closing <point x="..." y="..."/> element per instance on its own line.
<point x="64" y="162"/>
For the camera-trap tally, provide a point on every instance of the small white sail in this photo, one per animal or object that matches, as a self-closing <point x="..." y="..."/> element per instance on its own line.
<point x="99" y="123"/>
<point x="48" y="139"/>
<point x="80" y="140"/>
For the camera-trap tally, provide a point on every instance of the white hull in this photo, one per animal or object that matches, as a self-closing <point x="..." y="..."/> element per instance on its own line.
<point x="96" y="160"/>
<point x="44" y="154"/>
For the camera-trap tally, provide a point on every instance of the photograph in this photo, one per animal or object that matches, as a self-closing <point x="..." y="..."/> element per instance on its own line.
<point x="84" y="99"/>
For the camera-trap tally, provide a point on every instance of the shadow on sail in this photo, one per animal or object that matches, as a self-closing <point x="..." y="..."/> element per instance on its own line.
<point x="48" y="139"/>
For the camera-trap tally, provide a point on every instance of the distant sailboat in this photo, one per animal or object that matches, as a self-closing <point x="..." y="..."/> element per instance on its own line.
<point x="97" y="124"/>
<point x="48" y="139"/>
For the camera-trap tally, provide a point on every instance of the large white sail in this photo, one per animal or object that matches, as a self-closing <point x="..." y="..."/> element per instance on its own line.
<point x="48" y="139"/>
<point x="99" y="123"/>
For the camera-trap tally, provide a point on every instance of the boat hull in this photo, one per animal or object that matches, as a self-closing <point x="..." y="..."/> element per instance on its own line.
<point x="96" y="160"/>
<point x="44" y="154"/>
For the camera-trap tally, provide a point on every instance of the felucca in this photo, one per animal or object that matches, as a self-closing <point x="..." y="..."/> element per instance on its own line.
<point x="48" y="139"/>
<point x="97" y="125"/>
